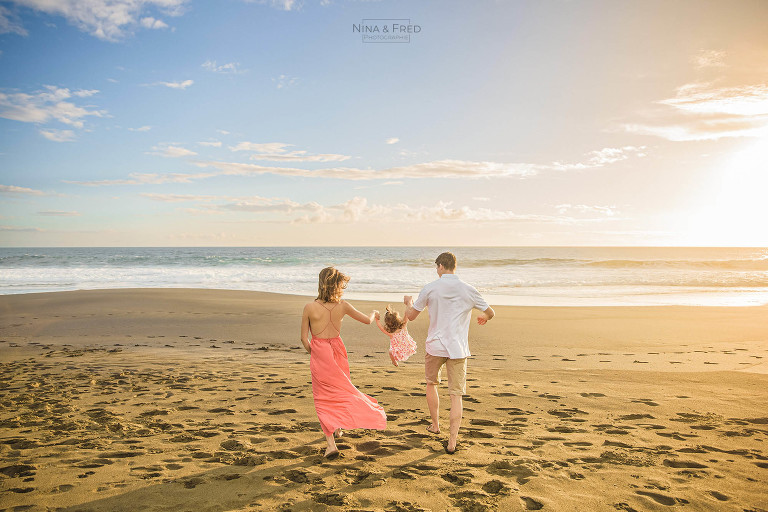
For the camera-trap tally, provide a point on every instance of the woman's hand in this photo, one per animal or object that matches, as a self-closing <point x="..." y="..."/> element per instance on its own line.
<point x="376" y="315"/>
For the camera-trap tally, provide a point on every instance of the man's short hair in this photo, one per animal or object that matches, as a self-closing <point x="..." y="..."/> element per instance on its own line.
<point x="447" y="260"/>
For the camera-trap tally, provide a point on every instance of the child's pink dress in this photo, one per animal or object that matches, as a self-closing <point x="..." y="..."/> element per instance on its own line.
<point x="401" y="344"/>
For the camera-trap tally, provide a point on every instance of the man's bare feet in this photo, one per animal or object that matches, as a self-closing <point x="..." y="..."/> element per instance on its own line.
<point x="450" y="450"/>
<point x="392" y="358"/>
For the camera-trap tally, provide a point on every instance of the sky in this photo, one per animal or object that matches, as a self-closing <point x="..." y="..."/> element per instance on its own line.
<point x="384" y="123"/>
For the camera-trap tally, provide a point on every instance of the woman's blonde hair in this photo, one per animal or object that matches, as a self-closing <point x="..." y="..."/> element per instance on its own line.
<point x="392" y="320"/>
<point x="331" y="284"/>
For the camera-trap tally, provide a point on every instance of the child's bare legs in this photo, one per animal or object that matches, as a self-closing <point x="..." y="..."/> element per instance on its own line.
<point x="393" y="359"/>
<point x="433" y="402"/>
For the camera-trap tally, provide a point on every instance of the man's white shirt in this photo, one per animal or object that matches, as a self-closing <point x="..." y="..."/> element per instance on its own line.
<point x="450" y="301"/>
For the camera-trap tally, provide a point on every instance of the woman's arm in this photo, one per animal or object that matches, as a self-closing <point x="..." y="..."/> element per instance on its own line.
<point x="350" y="310"/>
<point x="305" y="329"/>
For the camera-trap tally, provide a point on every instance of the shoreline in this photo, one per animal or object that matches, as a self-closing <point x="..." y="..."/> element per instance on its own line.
<point x="714" y="299"/>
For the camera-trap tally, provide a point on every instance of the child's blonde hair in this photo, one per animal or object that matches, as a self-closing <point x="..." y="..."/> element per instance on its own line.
<point x="331" y="284"/>
<point x="392" y="320"/>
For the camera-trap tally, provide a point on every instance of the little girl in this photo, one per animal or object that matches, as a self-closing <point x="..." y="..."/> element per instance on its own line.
<point x="401" y="344"/>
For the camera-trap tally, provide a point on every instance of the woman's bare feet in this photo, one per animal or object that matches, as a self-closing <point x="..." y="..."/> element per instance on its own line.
<point x="433" y="430"/>
<point x="338" y="433"/>
<point x="392" y="358"/>
<point x="332" y="451"/>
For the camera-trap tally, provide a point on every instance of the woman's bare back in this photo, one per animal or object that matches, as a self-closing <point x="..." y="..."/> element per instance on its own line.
<point x="325" y="318"/>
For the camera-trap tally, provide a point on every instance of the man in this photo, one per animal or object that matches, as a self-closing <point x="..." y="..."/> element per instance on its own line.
<point x="450" y="301"/>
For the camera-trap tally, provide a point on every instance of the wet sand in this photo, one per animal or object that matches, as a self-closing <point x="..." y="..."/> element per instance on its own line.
<point x="201" y="400"/>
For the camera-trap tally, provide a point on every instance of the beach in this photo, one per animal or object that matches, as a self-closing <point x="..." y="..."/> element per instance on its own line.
<point x="201" y="400"/>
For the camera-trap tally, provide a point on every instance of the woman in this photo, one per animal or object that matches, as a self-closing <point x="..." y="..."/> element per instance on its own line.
<point x="339" y="404"/>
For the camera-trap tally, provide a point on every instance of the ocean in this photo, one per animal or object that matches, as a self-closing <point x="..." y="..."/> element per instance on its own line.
<point x="527" y="276"/>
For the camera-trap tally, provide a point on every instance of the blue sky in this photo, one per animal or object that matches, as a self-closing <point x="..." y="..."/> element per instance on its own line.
<point x="178" y="122"/>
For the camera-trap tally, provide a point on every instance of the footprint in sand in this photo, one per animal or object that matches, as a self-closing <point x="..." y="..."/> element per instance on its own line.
<point x="495" y="487"/>
<point x="684" y="464"/>
<point x="457" y="478"/>
<point x="663" y="499"/>
<point x="531" y="504"/>
<point x="719" y="496"/>
<point x="484" y="423"/>
<point x="297" y="476"/>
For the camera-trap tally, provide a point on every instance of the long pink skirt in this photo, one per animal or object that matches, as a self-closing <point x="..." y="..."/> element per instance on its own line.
<point x="339" y="404"/>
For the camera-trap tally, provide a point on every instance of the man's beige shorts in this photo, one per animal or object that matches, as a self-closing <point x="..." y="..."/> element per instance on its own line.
<point x="456" y="369"/>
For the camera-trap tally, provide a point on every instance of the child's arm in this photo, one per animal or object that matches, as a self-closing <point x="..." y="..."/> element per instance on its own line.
<point x="381" y="327"/>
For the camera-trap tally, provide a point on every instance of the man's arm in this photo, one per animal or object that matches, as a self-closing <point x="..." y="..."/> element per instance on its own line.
<point x="410" y="312"/>
<point x="485" y="316"/>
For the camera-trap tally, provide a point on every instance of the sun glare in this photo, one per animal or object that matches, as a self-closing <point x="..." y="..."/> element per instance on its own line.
<point x="739" y="213"/>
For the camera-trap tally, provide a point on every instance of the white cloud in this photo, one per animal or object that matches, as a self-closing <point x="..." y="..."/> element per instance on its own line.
<point x="58" y="213"/>
<point x="150" y="22"/>
<point x="284" y="81"/>
<point x="58" y="135"/>
<point x="358" y="209"/>
<point x="229" y="68"/>
<point x="140" y="129"/>
<point x="177" y="198"/>
<point x="172" y="151"/>
<point x="608" y="211"/>
<point x="439" y="169"/>
<point x="9" y="23"/>
<point x="602" y="157"/>
<point x="106" y="19"/>
<point x="212" y="143"/>
<point x="436" y="169"/>
<point x="47" y="105"/>
<point x="393" y="140"/>
<point x="13" y="190"/>
<point x="146" y="179"/>
<point x="267" y="147"/>
<point x="283" y="5"/>
<point x="701" y="111"/>
<point x="176" y="85"/>
<point x="276" y="151"/>
<point x="21" y="229"/>
<point x="710" y="59"/>
<point x="697" y="98"/>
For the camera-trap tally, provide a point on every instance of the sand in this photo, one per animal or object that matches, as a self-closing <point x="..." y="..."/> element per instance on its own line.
<point x="201" y="400"/>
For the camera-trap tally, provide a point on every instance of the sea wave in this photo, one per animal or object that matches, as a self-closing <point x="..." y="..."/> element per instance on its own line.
<point x="740" y="264"/>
